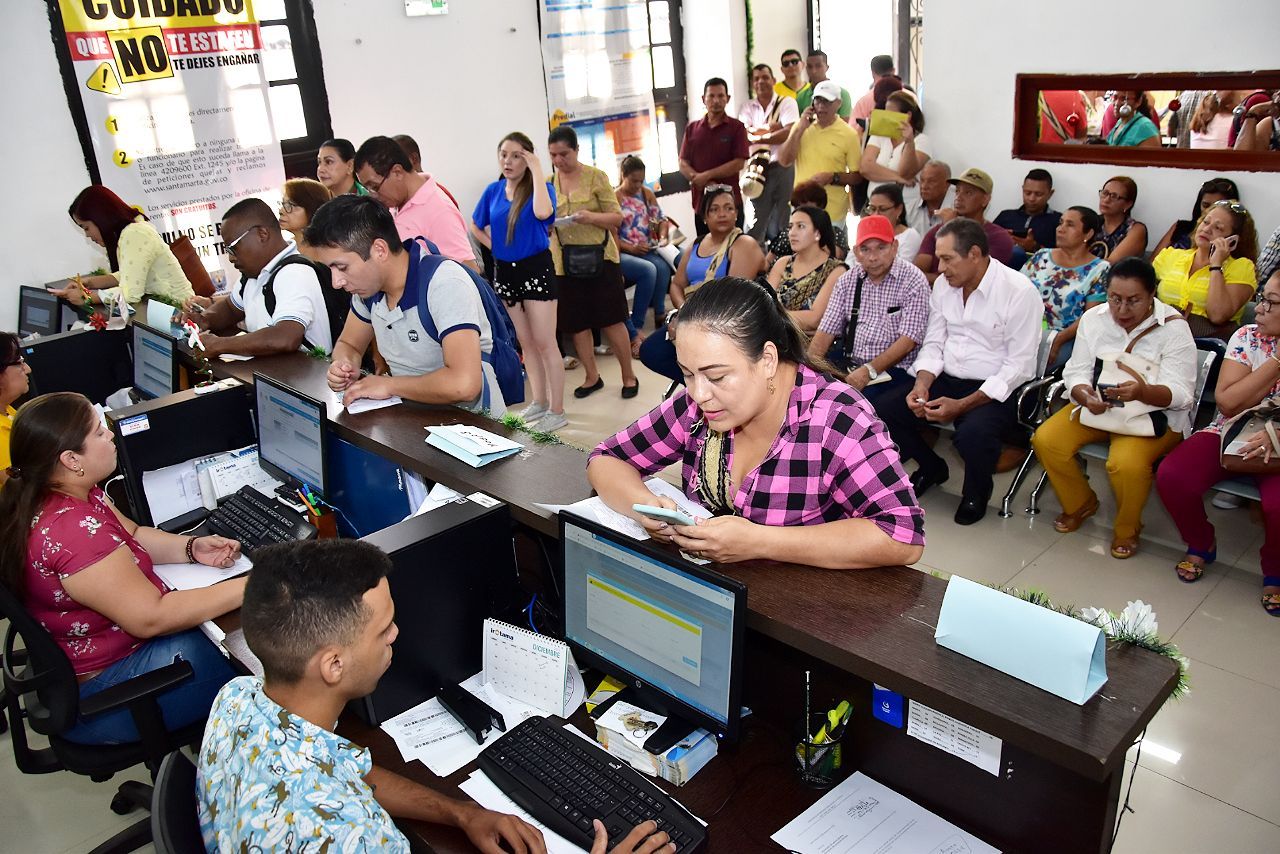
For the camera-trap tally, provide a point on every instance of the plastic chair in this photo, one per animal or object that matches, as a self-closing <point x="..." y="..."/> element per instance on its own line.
<point x="175" y="822"/>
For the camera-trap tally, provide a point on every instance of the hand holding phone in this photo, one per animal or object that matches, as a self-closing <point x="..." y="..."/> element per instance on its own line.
<point x="662" y="514"/>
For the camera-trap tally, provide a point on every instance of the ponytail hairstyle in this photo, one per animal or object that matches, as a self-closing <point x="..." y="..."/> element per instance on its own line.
<point x="1204" y="113"/>
<point x="524" y="190"/>
<point x="821" y="221"/>
<point x="749" y="313"/>
<point x="43" y="428"/>
<point x="1090" y="220"/>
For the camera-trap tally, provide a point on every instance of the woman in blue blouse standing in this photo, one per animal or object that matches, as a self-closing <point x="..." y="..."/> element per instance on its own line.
<point x="513" y="218"/>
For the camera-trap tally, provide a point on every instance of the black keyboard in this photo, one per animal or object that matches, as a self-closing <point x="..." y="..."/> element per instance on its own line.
<point x="565" y="781"/>
<point x="256" y="521"/>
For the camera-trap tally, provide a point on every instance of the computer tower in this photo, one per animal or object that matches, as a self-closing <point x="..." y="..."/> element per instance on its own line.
<point x="453" y="567"/>
<point x="95" y="363"/>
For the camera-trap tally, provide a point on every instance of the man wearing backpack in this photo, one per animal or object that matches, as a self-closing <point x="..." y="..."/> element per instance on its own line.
<point x="280" y="297"/>
<point x="427" y="313"/>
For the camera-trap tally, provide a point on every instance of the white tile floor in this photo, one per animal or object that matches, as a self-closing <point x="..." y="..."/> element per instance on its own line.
<point x="1207" y="783"/>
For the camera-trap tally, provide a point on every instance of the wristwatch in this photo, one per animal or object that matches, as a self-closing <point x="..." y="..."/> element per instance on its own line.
<point x="835" y="178"/>
<point x="872" y="373"/>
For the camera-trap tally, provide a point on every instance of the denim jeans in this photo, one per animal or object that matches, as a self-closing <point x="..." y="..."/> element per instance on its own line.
<point x="181" y="705"/>
<point x="651" y="275"/>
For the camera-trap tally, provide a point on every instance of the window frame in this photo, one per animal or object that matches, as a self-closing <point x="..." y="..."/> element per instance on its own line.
<point x="671" y="103"/>
<point x="300" y="153"/>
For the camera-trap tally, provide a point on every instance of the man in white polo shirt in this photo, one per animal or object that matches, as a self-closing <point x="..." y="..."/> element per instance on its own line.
<point x="769" y="117"/>
<point x="297" y="316"/>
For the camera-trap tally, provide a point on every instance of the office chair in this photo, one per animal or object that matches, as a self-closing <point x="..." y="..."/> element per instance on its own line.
<point x="42" y="694"/>
<point x="175" y="824"/>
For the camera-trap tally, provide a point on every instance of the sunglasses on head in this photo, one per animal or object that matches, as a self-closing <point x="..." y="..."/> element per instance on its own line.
<point x="1231" y="205"/>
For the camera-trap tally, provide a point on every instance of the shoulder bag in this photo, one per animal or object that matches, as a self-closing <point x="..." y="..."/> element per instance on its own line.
<point x="1131" y="418"/>
<point x="1261" y="418"/>
<point x="583" y="261"/>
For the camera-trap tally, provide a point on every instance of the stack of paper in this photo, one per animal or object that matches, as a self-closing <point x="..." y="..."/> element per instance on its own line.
<point x="622" y="731"/>
<point x="193" y="576"/>
<point x="595" y="508"/>
<point x="473" y="446"/>
<point x="429" y="733"/>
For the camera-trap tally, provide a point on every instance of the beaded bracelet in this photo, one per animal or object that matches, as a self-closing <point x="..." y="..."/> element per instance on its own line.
<point x="191" y="555"/>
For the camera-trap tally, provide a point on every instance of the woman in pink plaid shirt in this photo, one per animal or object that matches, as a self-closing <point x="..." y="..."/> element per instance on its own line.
<point x="792" y="465"/>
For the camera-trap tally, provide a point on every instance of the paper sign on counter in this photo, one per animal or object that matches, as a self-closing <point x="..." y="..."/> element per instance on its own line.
<point x="955" y="737"/>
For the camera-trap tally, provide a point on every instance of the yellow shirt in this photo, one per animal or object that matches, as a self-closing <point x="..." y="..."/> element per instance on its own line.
<point x="835" y="148"/>
<point x="147" y="267"/>
<point x="6" y="427"/>
<point x="782" y="90"/>
<point x="1179" y="286"/>
<point x="593" y="193"/>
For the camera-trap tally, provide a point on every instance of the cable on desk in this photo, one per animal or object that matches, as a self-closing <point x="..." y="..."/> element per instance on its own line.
<point x="338" y="510"/>
<point x="529" y="611"/>
<point x="1124" y="808"/>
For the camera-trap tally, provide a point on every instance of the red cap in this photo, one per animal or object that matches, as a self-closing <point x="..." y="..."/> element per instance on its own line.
<point x="874" y="227"/>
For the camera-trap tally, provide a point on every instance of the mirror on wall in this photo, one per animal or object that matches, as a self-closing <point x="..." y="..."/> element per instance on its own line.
<point x="1224" y="120"/>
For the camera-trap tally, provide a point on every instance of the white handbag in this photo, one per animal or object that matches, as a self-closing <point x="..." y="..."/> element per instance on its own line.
<point x="1132" y="417"/>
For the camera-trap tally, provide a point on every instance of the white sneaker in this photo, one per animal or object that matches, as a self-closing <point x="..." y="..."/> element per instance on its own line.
<point x="551" y="422"/>
<point x="533" y="412"/>
<point x="1227" y="501"/>
<point x="602" y="349"/>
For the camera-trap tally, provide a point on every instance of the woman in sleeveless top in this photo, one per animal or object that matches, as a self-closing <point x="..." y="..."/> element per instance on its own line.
<point x="804" y="280"/>
<point x="1122" y="236"/>
<point x="723" y="251"/>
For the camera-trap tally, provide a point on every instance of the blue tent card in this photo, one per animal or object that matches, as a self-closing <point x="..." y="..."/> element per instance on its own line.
<point x="473" y="446"/>
<point x="1053" y="651"/>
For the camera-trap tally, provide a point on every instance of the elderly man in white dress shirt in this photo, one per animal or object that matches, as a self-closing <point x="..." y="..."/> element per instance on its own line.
<point x="984" y="331"/>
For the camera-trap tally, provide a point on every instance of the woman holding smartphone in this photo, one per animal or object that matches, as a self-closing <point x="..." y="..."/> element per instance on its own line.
<point x="792" y="465"/>
<point x="1132" y="320"/>
<point x="1211" y="282"/>
<point x="513" y="218"/>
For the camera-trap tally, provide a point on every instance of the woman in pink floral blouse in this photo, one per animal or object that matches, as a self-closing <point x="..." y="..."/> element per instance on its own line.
<point x="84" y="570"/>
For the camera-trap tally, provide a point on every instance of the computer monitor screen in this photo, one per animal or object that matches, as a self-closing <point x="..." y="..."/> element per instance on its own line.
<point x="657" y="622"/>
<point x="153" y="362"/>
<point x="291" y="434"/>
<point x="37" y="312"/>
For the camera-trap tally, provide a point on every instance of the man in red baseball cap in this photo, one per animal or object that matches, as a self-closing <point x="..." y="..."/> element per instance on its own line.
<point x="879" y="311"/>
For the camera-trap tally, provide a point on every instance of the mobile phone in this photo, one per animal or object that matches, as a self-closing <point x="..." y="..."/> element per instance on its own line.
<point x="1102" y="388"/>
<point x="662" y="514"/>
<point x="197" y="308"/>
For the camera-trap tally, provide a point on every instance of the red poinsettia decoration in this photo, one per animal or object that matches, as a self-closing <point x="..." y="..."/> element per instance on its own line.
<point x="98" y="321"/>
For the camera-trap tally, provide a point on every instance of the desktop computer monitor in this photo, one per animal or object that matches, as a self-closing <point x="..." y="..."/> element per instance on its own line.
<point x="292" y="434"/>
<point x="38" y="312"/>
<point x="154" y="362"/>
<point x="669" y="629"/>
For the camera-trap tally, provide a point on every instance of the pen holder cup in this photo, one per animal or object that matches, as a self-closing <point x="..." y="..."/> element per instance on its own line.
<point x="820" y="763"/>
<point x="326" y="524"/>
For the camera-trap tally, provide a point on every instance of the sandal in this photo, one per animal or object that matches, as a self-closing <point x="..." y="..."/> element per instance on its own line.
<point x="1068" y="522"/>
<point x="1123" y="548"/>
<point x="1189" y="571"/>
<point x="1271" y="601"/>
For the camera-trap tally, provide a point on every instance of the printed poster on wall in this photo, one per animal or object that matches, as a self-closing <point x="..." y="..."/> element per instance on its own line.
<point x="599" y="78"/>
<point x="178" y="110"/>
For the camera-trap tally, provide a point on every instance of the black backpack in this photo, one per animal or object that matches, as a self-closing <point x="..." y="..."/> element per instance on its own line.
<point x="337" y="302"/>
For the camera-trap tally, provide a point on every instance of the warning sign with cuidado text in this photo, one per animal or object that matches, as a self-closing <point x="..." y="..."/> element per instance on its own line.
<point x="177" y="105"/>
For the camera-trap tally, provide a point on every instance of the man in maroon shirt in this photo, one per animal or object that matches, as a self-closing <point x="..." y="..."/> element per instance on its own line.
<point x="714" y="149"/>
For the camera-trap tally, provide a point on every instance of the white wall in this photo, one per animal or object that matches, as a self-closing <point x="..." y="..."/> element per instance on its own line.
<point x="44" y="163"/>
<point x="456" y="83"/>
<point x="977" y="46"/>
<point x="779" y="25"/>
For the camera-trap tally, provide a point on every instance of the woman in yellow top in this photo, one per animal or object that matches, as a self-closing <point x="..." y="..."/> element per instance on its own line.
<point x="14" y="373"/>
<point x="587" y="215"/>
<point x="1211" y="281"/>
<point x="143" y="264"/>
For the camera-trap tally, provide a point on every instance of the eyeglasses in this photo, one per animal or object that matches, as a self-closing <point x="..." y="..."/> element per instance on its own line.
<point x="1271" y="304"/>
<point x="787" y="63"/>
<point x="880" y="210"/>
<point x="1231" y="205"/>
<point x="1111" y="197"/>
<point x="231" y="247"/>
<point x="21" y="361"/>
<point x="287" y="207"/>
<point x="1131" y="302"/>
<point x="372" y="187"/>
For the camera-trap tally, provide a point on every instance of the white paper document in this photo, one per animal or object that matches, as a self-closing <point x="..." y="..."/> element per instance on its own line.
<point x="483" y="791"/>
<point x="861" y="816"/>
<point x="955" y="737"/>
<point x="234" y="357"/>
<point x="439" y="496"/>
<point x="193" y="576"/>
<point x="366" y="404"/>
<point x="595" y="508"/>
<point x="428" y="732"/>
<point x="172" y="491"/>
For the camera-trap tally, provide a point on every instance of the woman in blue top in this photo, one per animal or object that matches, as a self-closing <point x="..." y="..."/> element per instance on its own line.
<point x="513" y="219"/>
<point x="723" y="251"/>
<point x="1134" y="126"/>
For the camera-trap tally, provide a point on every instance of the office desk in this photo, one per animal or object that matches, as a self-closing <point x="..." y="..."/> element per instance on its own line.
<point x="1061" y="765"/>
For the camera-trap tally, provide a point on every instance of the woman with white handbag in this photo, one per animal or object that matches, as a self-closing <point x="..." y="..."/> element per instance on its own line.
<point x="1241" y="440"/>
<point x="1132" y="381"/>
